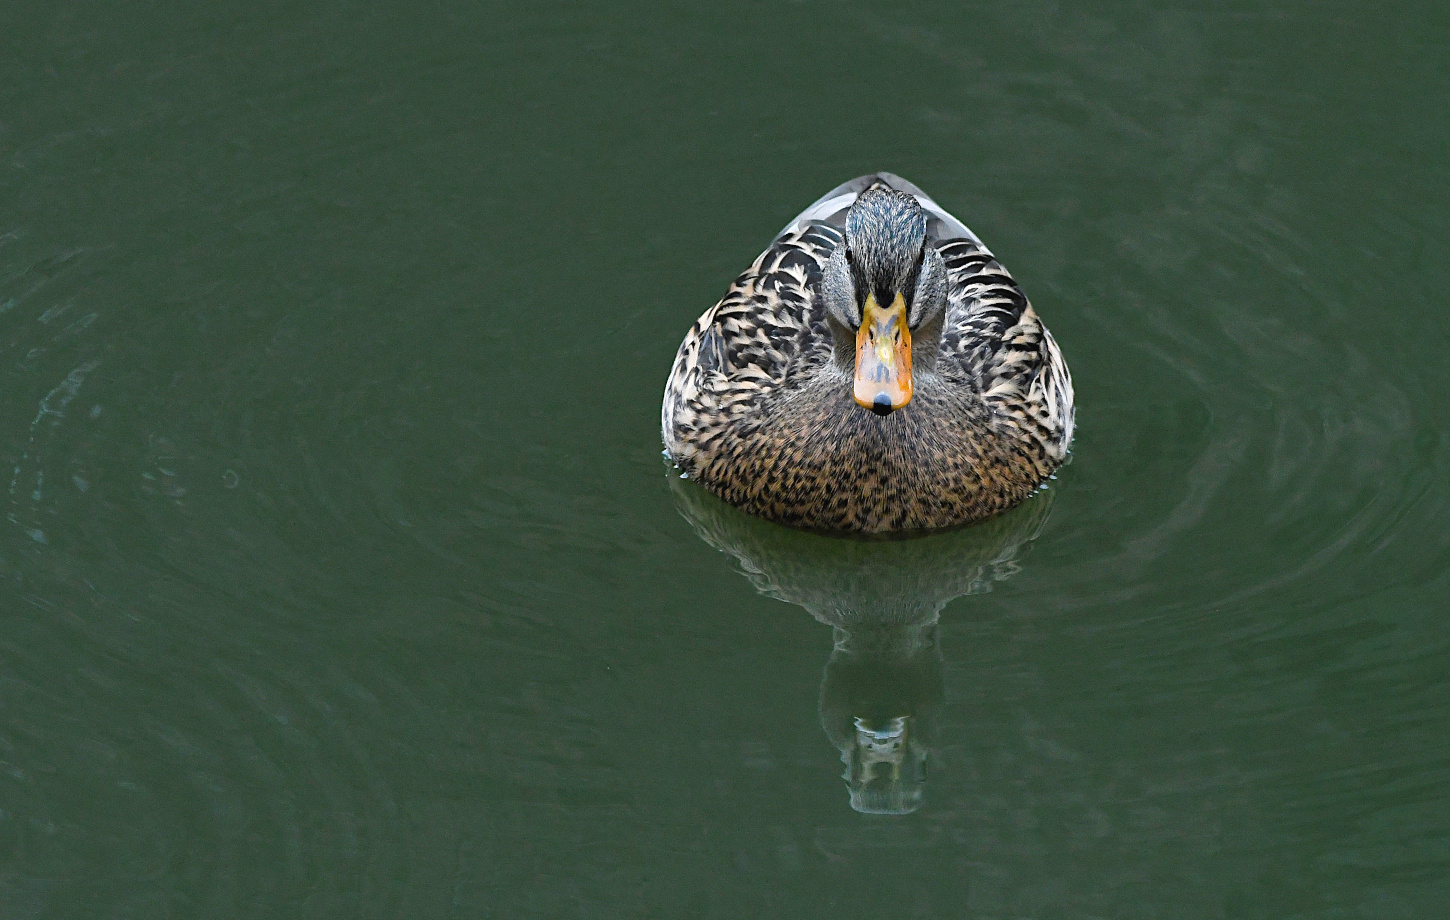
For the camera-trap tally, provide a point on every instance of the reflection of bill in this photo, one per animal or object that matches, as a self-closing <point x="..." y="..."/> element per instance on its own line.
<point x="879" y="699"/>
<point x="883" y="683"/>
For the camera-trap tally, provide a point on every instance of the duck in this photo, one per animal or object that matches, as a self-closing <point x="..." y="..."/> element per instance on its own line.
<point x="875" y="371"/>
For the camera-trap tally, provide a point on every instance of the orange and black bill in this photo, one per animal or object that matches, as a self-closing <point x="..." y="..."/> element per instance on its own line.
<point x="883" y="357"/>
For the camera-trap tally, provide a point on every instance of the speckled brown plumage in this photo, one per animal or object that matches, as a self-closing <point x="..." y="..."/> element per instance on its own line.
<point x="759" y="409"/>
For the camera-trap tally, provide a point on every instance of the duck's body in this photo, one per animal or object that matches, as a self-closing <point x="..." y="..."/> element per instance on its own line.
<point x="760" y="407"/>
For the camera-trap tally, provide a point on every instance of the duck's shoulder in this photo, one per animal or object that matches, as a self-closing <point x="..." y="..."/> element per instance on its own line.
<point x="767" y="330"/>
<point x="770" y="314"/>
<point x="983" y="303"/>
<point x="776" y="295"/>
<point x="994" y="341"/>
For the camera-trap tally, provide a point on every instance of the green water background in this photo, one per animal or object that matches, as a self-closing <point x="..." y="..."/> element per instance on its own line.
<point x="340" y="575"/>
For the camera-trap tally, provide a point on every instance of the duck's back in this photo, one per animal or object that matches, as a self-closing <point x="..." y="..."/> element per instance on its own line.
<point x="759" y="411"/>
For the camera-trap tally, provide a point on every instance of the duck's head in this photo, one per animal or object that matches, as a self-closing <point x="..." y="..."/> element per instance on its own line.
<point x="883" y="283"/>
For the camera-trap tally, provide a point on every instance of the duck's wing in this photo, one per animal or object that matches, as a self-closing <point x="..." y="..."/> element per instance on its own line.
<point x="765" y="331"/>
<point x="993" y="341"/>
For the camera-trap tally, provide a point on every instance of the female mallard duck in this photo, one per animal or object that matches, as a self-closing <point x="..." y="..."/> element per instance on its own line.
<point x="875" y="370"/>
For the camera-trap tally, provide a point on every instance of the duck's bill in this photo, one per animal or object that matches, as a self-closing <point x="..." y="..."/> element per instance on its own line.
<point x="883" y="357"/>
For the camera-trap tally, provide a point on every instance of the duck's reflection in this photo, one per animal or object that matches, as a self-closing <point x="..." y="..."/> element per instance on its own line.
<point x="883" y="683"/>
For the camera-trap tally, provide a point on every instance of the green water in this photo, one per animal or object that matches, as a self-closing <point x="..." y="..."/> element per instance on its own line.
<point x="340" y="575"/>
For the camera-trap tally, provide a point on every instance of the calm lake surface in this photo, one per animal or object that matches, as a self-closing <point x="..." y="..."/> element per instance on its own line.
<point x="341" y="576"/>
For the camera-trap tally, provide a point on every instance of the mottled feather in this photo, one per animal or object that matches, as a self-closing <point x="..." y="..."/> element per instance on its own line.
<point x="759" y="411"/>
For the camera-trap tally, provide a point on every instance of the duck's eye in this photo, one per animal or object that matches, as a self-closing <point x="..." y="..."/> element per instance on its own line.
<point x="913" y="276"/>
